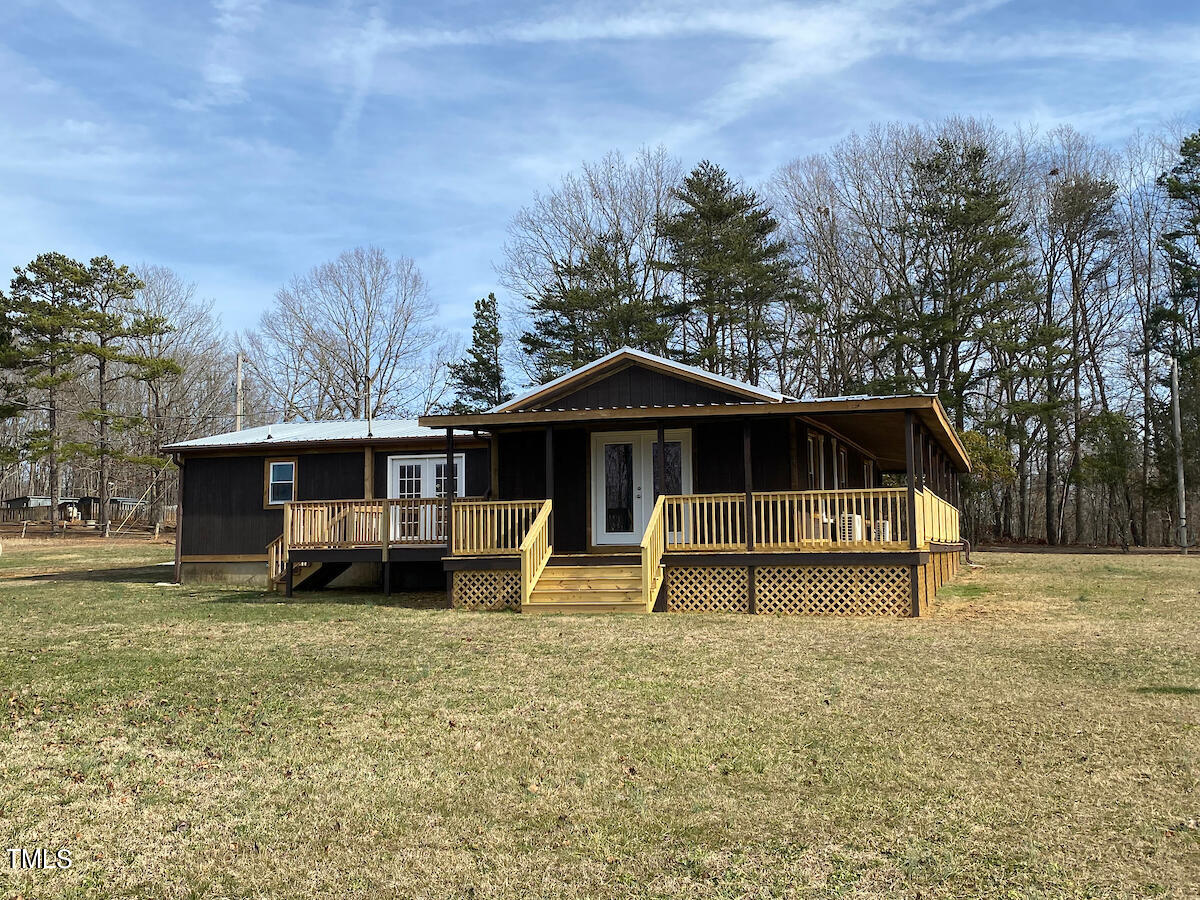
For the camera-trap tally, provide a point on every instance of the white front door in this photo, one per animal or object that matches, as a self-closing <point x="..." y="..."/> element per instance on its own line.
<point x="623" y="488"/>
<point x="414" y="477"/>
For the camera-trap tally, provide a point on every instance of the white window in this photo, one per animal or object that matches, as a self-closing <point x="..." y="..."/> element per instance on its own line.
<point x="281" y="481"/>
<point x="423" y="476"/>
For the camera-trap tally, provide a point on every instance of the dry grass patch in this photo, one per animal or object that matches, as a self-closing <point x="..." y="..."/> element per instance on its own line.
<point x="1036" y="736"/>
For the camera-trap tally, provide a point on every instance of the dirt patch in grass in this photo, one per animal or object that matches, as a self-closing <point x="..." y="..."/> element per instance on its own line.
<point x="209" y="741"/>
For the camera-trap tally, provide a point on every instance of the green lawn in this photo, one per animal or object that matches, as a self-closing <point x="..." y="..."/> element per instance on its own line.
<point x="1038" y="735"/>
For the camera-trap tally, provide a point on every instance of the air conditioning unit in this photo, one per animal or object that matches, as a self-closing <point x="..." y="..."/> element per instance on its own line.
<point x="850" y="528"/>
<point x="881" y="531"/>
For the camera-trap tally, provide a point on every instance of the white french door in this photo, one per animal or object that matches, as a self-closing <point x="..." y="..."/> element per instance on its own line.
<point x="420" y="478"/>
<point x="623" y="480"/>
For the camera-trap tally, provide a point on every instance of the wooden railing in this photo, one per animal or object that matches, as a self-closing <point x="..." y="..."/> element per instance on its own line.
<point x="705" y="521"/>
<point x="333" y="524"/>
<point x="276" y="560"/>
<point x="654" y="542"/>
<point x="939" y="519"/>
<point x="342" y="524"/>
<point x="487" y="527"/>
<point x="869" y="519"/>
<point x="874" y="519"/>
<point x="535" y="550"/>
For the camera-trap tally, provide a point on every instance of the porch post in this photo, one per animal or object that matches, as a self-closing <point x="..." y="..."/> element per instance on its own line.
<point x="494" y="465"/>
<point x="914" y="571"/>
<point x="660" y="465"/>
<point x="910" y="469"/>
<point x="450" y="490"/>
<point x="748" y="470"/>
<point x="793" y="455"/>
<point x="179" y="522"/>
<point x="385" y="538"/>
<point x="920" y="456"/>
<point x="550" y="479"/>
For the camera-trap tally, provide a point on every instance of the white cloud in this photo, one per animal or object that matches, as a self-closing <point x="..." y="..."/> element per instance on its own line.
<point x="224" y="68"/>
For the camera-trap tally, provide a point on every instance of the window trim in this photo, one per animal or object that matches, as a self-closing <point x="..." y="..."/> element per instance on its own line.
<point x="267" y="464"/>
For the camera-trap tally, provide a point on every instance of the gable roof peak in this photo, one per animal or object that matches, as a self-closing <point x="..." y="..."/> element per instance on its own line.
<point x="624" y="354"/>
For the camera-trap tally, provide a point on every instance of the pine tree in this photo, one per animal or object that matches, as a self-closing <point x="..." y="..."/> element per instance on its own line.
<point x="589" y="309"/>
<point x="1175" y="321"/>
<point x="732" y="268"/>
<point x="108" y="330"/>
<point x="45" y="311"/>
<point x="970" y="276"/>
<point x="478" y="379"/>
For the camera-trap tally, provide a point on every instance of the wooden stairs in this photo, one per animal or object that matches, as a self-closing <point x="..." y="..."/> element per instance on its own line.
<point x="310" y="575"/>
<point x="577" y="588"/>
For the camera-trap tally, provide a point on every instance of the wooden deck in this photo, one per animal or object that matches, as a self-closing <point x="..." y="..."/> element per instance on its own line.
<point x="500" y="553"/>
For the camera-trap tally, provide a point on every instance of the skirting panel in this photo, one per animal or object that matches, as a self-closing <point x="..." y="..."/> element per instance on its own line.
<point x="833" y="590"/>
<point x="486" y="589"/>
<point x="708" y="589"/>
<point x="941" y="568"/>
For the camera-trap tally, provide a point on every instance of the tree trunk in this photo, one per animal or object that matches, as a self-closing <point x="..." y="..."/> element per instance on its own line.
<point x="52" y="458"/>
<point x="102" y="404"/>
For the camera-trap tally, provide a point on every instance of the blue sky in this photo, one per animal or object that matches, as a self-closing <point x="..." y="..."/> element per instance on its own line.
<point x="243" y="141"/>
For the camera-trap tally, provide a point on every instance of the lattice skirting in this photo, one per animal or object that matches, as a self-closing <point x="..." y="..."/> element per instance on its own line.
<point x="486" y="589"/>
<point x="833" y="590"/>
<point x="708" y="589"/>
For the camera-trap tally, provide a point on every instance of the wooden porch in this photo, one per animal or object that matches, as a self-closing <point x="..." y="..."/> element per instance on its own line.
<point x="501" y="553"/>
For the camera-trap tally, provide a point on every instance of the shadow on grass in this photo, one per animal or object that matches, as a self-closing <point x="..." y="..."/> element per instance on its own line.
<point x="124" y="575"/>
<point x="1178" y="689"/>
<point x="346" y="597"/>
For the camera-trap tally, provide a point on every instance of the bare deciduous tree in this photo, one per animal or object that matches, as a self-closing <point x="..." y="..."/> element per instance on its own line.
<point x="618" y="203"/>
<point x="349" y="338"/>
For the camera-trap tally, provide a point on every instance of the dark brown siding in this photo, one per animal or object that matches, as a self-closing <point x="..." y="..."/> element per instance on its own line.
<point x="639" y="386"/>
<point x="572" y="447"/>
<point x="522" y="465"/>
<point x="770" y="450"/>
<point x="328" y="476"/>
<point x="717" y="454"/>
<point x="223" y="511"/>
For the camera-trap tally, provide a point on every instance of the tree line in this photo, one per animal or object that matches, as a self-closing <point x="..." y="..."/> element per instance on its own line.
<point x="1039" y="284"/>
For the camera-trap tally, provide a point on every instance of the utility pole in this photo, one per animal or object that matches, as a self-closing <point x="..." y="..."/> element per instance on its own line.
<point x="239" y="407"/>
<point x="1183" y="532"/>
<point x="370" y="423"/>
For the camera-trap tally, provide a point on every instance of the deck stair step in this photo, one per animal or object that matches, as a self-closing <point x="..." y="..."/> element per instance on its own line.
<point x="587" y="589"/>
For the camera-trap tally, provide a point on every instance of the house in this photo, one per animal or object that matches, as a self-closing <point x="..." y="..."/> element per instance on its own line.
<point x="119" y="508"/>
<point x="632" y="483"/>
<point x="238" y="490"/>
<point x="37" y="509"/>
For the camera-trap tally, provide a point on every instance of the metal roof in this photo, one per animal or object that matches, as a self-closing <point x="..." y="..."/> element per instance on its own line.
<point x="694" y="371"/>
<point x="348" y="431"/>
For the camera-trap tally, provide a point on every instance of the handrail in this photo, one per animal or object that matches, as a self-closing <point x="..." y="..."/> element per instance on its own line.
<point x="654" y="542"/>
<point x="535" y="551"/>
<point x="277" y="559"/>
